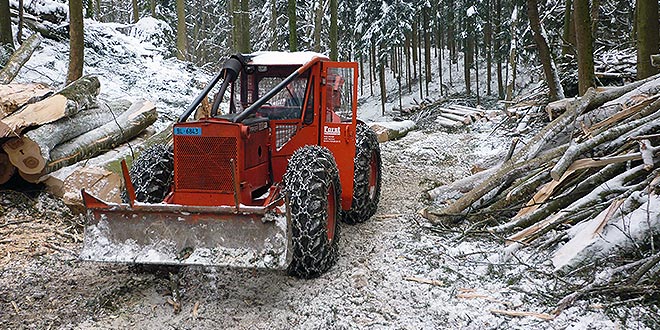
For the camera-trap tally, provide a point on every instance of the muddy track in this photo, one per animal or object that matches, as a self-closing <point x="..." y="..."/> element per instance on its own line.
<point x="375" y="284"/>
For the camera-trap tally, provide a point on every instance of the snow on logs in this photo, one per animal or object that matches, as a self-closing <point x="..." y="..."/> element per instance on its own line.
<point x="42" y="132"/>
<point x="590" y="178"/>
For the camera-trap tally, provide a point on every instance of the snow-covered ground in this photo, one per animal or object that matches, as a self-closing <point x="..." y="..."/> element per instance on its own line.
<point x="377" y="283"/>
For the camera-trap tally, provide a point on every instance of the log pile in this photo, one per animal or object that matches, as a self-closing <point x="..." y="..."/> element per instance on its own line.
<point x="586" y="186"/>
<point x="43" y="131"/>
<point x="455" y="115"/>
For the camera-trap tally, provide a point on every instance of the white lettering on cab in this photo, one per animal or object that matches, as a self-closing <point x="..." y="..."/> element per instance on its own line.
<point x="331" y="130"/>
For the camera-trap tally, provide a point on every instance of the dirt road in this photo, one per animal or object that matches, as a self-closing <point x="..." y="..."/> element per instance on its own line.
<point x="393" y="271"/>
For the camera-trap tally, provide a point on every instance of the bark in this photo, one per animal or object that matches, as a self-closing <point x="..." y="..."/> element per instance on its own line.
<point x="505" y="174"/>
<point x="14" y="96"/>
<point x="647" y="37"/>
<point x="498" y="57"/>
<point x="318" y="19"/>
<point x="76" y="41"/>
<point x="181" y="39"/>
<point x="136" y="11"/>
<point x="68" y="101"/>
<point x="383" y="90"/>
<point x="274" y="42"/>
<point x="575" y="150"/>
<point x="567" y="47"/>
<point x="333" y="30"/>
<point x="152" y="7"/>
<point x="19" y="58"/>
<point x="293" y="26"/>
<point x="31" y="152"/>
<point x="126" y="126"/>
<point x="21" y="11"/>
<point x="244" y="41"/>
<point x="427" y="49"/>
<point x="488" y="40"/>
<point x="585" y="47"/>
<point x="6" y="36"/>
<point x="513" y="55"/>
<point x="551" y="77"/>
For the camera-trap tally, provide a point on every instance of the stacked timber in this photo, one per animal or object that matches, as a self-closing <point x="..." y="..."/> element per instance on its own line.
<point x="455" y="115"/>
<point x="43" y="131"/>
<point x="586" y="186"/>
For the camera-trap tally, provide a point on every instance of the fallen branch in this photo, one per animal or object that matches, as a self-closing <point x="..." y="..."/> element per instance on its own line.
<point x="19" y="58"/>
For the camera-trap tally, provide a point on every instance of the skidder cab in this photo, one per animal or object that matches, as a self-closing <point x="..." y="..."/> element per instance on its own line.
<point x="260" y="178"/>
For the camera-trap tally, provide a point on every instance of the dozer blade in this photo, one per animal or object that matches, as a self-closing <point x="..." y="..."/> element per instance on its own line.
<point x="249" y="237"/>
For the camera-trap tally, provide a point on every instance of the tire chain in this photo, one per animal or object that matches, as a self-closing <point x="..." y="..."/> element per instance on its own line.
<point x="152" y="174"/>
<point x="310" y="172"/>
<point x="363" y="207"/>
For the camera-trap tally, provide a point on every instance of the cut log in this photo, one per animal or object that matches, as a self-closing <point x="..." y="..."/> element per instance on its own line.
<point x="19" y="58"/>
<point x="460" y="118"/>
<point x="444" y="122"/>
<point x="7" y="169"/>
<point x="14" y="96"/>
<point x="387" y="131"/>
<point x="126" y="126"/>
<point x="68" y="101"/>
<point x="31" y="152"/>
<point x="620" y="234"/>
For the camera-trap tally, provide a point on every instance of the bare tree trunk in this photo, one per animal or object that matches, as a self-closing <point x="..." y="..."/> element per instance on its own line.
<point x="293" y="26"/>
<point x="318" y="19"/>
<point x="498" y="45"/>
<point x="427" y="48"/>
<point x="333" y="30"/>
<point x="567" y="47"/>
<point x="488" y="40"/>
<point x="551" y="77"/>
<point x="136" y="12"/>
<point x="383" y="90"/>
<point x="18" y="59"/>
<point x="274" y="42"/>
<point x="19" y="33"/>
<point x="76" y="42"/>
<point x="585" y="47"/>
<point x="647" y="37"/>
<point x="181" y="40"/>
<point x="244" y="45"/>
<point x="6" y="37"/>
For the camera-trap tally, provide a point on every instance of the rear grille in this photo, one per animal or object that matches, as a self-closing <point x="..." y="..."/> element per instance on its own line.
<point x="203" y="163"/>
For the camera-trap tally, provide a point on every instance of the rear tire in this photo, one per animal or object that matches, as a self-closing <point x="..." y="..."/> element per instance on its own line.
<point x="152" y="173"/>
<point x="311" y="183"/>
<point x="367" y="177"/>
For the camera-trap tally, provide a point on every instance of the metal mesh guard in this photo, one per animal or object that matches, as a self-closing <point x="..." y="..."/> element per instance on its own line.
<point x="203" y="163"/>
<point x="283" y="134"/>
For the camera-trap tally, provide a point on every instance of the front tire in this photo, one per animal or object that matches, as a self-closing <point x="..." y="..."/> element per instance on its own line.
<point x="152" y="173"/>
<point x="367" y="176"/>
<point x="311" y="184"/>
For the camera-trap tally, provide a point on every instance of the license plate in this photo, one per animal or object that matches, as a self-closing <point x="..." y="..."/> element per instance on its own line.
<point x="188" y="131"/>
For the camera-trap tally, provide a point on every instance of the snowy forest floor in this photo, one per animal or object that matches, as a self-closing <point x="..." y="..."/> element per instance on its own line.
<point x="377" y="282"/>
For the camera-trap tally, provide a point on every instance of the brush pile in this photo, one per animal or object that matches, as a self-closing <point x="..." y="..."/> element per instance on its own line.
<point x="586" y="186"/>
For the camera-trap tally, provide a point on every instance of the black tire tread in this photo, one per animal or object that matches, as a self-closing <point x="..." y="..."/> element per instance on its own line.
<point x="363" y="207"/>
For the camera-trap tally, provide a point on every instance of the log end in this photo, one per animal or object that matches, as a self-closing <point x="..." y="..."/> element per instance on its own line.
<point x="25" y="154"/>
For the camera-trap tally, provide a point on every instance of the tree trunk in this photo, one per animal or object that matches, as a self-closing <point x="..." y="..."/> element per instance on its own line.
<point x="498" y="45"/>
<point x="31" y="152"/>
<point x="244" y="45"/>
<point x="647" y="37"/>
<point x="567" y="47"/>
<point x="468" y="57"/>
<point x="551" y="77"/>
<point x="136" y="11"/>
<point x="181" y="39"/>
<point x="585" y="47"/>
<point x="293" y="26"/>
<point x="488" y="40"/>
<point x="74" y="97"/>
<point x="152" y="7"/>
<point x="274" y="42"/>
<point x="21" y="11"/>
<point x="19" y="58"/>
<point x="318" y="19"/>
<point x="76" y="42"/>
<point x="427" y="48"/>
<point x="6" y="36"/>
<point x="333" y="30"/>
<point x="383" y="90"/>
